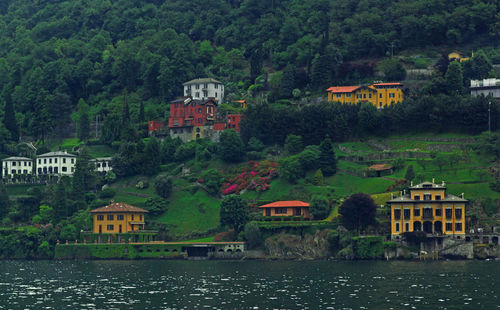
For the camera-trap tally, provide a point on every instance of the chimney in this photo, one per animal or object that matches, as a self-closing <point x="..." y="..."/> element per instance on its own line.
<point x="432" y="180"/>
<point x="443" y="184"/>
<point x="411" y="183"/>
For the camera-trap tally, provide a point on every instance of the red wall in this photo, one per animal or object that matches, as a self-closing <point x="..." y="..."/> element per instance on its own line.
<point x="233" y="121"/>
<point x="192" y="114"/>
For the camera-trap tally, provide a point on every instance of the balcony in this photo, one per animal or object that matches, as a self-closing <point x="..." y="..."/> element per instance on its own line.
<point x="427" y="216"/>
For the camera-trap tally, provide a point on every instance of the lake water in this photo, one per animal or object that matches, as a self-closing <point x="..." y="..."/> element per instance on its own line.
<point x="162" y="284"/>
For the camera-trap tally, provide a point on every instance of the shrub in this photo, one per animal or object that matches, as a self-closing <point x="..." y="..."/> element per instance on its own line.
<point x="253" y="234"/>
<point x="156" y="206"/>
<point x="108" y="192"/>
<point x="320" y="208"/>
<point x="142" y="184"/>
<point x="163" y="185"/>
<point x="68" y="232"/>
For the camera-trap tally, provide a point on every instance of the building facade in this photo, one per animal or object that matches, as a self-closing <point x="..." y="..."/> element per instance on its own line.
<point x="428" y="208"/>
<point x="16" y="166"/>
<point x="286" y="208"/>
<point x="202" y="89"/>
<point x="192" y="119"/>
<point x="102" y="164"/>
<point x="486" y="87"/>
<point x="118" y="218"/>
<point x="155" y="127"/>
<point x="55" y="163"/>
<point x="378" y="94"/>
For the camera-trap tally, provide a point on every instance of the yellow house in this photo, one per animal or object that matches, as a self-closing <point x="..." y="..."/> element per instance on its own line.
<point x="378" y="94"/>
<point x="456" y="56"/>
<point x="428" y="208"/>
<point x="118" y="218"/>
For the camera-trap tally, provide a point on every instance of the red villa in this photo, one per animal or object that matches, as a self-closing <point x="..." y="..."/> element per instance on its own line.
<point x="191" y="119"/>
<point x="154" y="127"/>
<point x="233" y="121"/>
<point x="286" y="208"/>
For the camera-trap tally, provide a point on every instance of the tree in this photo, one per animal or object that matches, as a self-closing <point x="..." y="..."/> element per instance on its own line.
<point x="327" y="160"/>
<point x="318" y="178"/>
<point x="478" y="67"/>
<point x="83" y="129"/>
<point x="290" y="169"/>
<point x="68" y="232"/>
<point x="454" y="78"/>
<point x="392" y="69"/>
<point x="156" y="206"/>
<point x="410" y="174"/>
<point x="231" y="148"/>
<point x="9" y="117"/>
<point x="253" y="235"/>
<point x="46" y="214"/>
<point x="60" y="202"/>
<point x="358" y="211"/>
<point x="163" y="185"/>
<point x="288" y="82"/>
<point x="4" y="202"/>
<point x="212" y="180"/>
<point x="320" y="207"/>
<point x="151" y="165"/>
<point x="293" y="144"/>
<point x="368" y="118"/>
<point x="234" y="212"/>
<point x="84" y="176"/>
<point x="255" y="144"/>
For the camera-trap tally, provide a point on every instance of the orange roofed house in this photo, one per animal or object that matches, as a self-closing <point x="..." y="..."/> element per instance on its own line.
<point x="119" y="219"/>
<point x="287" y="208"/>
<point x="378" y="94"/>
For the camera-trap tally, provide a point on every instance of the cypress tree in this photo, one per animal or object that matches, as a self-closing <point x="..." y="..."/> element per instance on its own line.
<point x="327" y="161"/>
<point x="9" y="118"/>
<point x="83" y="129"/>
<point x="288" y="82"/>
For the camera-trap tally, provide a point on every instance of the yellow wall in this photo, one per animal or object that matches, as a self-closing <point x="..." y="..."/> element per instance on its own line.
<point x="381" y="97"/>
<point x="125" y="223"/>
<point x="420" y="218"/>
<point x="427" y="191"/>
<point x="290" y="211"/>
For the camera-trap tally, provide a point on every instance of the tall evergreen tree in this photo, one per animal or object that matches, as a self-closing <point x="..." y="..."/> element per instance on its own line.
<point x="9" y="117"/>
<point x="60" y="202"/>
<point x="4" y="202"/>
<point x="83" y="178"/>
<point x="454" y="78"/>
<point x="288" y="81"/>
<point x="152" y="157"/>
<point x="83" y="129"/>
<point x="327" y="160"/>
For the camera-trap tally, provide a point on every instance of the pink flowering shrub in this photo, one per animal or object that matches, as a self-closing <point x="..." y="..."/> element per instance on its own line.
<point x="256" y="176"/>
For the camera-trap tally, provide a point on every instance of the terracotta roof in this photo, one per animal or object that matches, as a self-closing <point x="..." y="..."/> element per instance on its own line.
<point x="281" y="204"/>
<point x="387" y="84"/>
<point x="240" y="101"/>
<point x="118" y="207"/>
<point x="342" y="89"/>
<point x="380" y="167"/>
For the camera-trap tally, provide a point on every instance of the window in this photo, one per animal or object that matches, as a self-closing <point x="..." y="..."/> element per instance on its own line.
<point x="427" y="196"/>
<point x="339" y="95"/>
<point x="364" y="96"/>
<point x="391" y="95"/>
<point x="14" y="163"/>
<point x="199" y="120"/>
<point x="110" y="227"/>
<point x="119" y="217"/>
<point x="64" y="160"/>
<point x="197" y="86"/>
<point x="360" y="96"/>
<point x="140" y="217"/>
<point x="216" y="94"/>
<point x="55" y="160"/>
<point x="104" y="164"/>
<point x="397" y="227"/>
<point x="216" y="86"/>
<point x="64" y="169"/>
<point x="45" y="160"/>
<point x="449" y="226"/>
<point x="407" y="214"/>
<point x="100" y="217"/>
<point x="205" y="93"/>
<point x="458" y="213"/>
<point x="348" y="95"/>
<point x="397" y="214"/>
<point x="39" y="161"/>
<point x="197" y="94"/>
<point x="416" y="197"/>
<point x="132" y="217"/>
<point x="110" y="217"/>
<point x="205" y="86"/>
<point x="438" y="211"/>
<point x="449" y="213"/>
<point x="72" y="160"/>
<point x="438" y="197"/>
<point x="458" y="226"/>
<point x="25" y="164"/>
<point x="50" y="160"/>
<point x="407" y="226"/>
<point x="380" y="96"/>
<point x="380" y="104"/>
<point x="416" y="212"/>
<point x="29" y="164"/>
<point x="370" y="96"/>
<point x="199" y="110"/>
<point x="98" y="165"/>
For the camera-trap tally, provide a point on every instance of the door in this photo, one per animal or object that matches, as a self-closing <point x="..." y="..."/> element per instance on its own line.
<point x="120" y="228"/>
<point x="268" y="212"/>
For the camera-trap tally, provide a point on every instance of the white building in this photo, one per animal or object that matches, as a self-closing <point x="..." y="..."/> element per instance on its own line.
<point x="205" y="88"/>
<point x="485" y="87"/>
<point x="102" y="164"/>
<point x="56" y="163"/>
<point x="16" y="166"/>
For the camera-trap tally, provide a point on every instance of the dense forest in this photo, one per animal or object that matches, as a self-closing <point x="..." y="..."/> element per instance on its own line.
<point x="54" y="54"/>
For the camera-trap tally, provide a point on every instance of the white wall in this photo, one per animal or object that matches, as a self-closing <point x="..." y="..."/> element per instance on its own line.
<point x="20" y="166"/>
<point x="59" y="164"/>
<point x="213" y="90"/>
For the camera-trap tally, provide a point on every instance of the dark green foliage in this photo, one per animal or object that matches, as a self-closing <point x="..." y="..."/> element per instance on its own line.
<point x="168" y="149"/>
<point x="255" y="144"/>
<point x="293" y="144"/>
<point x="327" y="161"/>
<point x="288" y="82"/>
<point x="410" y="173"/>
<point x="478" y="67"/>
<point x="320" y="207"/>
<point x="358" y="211"/>
<point x="60" y="203"/>
<point x="163" y="185"/>
<point x="318" y="178"/>
<point x="83" y="129"/>
<point x="108" y="192"/>
<point x="368" y="117"/>
<point x="309" y="157"/>
<point x="290" y="169"/>
<point x="490" y="206"/>
<point x="68" y="232"/>
<point x="84" y="176"/>
<point x="368" y="247"/>
<point x="231" y="148"/>
<point x="4" y="202"/>
<point x="392" y="69"/>
<point x="151" y="165"/>
<point x="253" y="235"/>
<point x="9" y="117"/>
<point x="333" y="242"/>
<point x="185" y="151"/>
<point x="454" y="78"/>
<point x="234" y="212"/>
<point x="211" y="179"/>
<point x="156" y="206"/>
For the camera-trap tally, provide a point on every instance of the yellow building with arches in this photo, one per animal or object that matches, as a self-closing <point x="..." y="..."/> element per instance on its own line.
<point x="428" y="208"/>
<point x="380" y="95"/>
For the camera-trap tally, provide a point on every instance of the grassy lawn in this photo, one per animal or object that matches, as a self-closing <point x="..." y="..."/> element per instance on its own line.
<point x="473" y="191"/>
<point x="100" y="151"/>
<point x="345" y="184"/>
<point x="69" y="144"/>
<point x="381" y="199"/>
<point x="189" y="212"/>
<point x="207" y="239"/>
